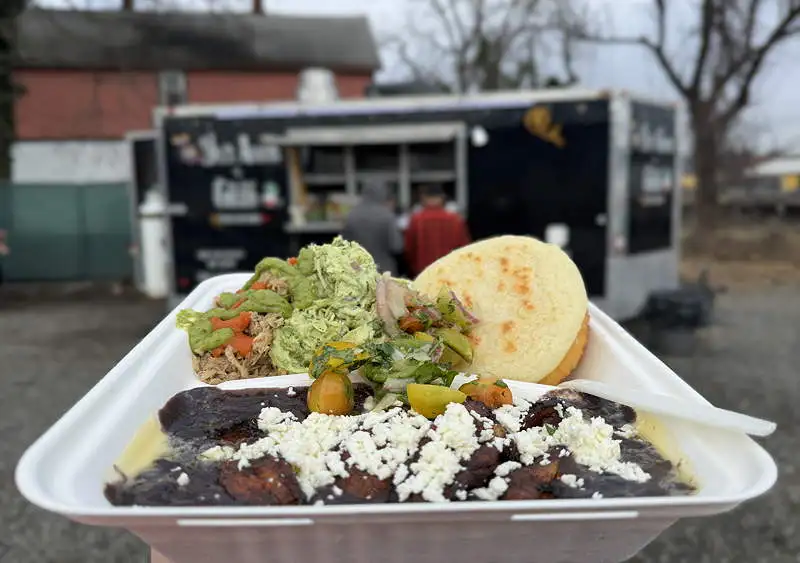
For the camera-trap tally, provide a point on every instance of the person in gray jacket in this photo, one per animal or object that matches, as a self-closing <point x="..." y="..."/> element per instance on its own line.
<point x="373" y="225"/>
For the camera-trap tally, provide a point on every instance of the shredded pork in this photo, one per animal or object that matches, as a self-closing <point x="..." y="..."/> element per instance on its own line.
<point x="278" y="285"/>
<point x="229" y="367"/>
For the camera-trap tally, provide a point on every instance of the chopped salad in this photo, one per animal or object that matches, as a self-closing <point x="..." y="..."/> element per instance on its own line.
<point x="328" y="311"/>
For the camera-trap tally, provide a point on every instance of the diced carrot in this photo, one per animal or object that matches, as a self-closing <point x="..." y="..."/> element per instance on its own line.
<point x="292" y="261"/>
<point x="491" y="391"/>
<point x="258" y="285"/>
<point x="238" y="324"/>
<point x="238" y="303"/>
<point x="218" y="351"/>
<point x="241" y="343"/>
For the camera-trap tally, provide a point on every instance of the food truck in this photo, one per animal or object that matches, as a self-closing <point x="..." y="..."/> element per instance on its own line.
<point x="596" y="171"/>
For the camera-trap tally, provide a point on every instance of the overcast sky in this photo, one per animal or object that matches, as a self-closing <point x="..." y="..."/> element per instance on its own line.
<point x="775" y="108"/>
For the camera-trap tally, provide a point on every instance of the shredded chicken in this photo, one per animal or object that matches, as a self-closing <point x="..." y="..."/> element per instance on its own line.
<point x="228" y="367"/>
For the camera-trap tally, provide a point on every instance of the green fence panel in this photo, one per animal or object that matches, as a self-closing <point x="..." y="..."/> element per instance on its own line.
<point x="45" y="233"/>
<point x="107" y="232"/>
<point x="66" y="232"/>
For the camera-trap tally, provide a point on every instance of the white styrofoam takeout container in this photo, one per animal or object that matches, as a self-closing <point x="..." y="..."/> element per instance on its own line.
<point x="64" y="472"/>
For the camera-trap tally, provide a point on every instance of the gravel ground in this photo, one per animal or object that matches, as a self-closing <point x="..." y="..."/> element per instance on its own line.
<point x="53" y="352"/>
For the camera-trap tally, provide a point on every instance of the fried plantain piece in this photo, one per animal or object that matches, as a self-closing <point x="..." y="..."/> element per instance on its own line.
<point x="531" y="482"/>
<point x="267" y="481"/>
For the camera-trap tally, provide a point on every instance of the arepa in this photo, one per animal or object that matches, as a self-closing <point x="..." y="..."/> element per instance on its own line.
<point x="531" y="302"/>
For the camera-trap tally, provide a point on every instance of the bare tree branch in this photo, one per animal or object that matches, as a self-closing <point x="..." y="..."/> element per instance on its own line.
<point x="727" y="61"/>
<point x="655" y="48"/>
<point x="755" y="58"/>
<point x="706" y="29"/>
<point x="491" y="44"/>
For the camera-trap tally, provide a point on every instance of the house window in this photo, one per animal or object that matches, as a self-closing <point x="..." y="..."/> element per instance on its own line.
<point x="172" y="87"/>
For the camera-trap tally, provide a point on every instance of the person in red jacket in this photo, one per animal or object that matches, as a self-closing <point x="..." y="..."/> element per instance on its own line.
<point x="433" y="231"/>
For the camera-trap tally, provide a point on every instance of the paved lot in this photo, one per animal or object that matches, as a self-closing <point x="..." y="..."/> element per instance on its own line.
<point x="51" y="353"/>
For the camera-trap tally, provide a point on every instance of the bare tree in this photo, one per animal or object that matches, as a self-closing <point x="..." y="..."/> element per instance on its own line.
<point x="734" y="39"/>
<point x="488" y="44"/>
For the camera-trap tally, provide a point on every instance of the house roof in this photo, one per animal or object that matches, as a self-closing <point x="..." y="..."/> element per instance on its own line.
<point x="781" y="166"/>
<point x="408" y="88"/>
<point x="133" y="40"/>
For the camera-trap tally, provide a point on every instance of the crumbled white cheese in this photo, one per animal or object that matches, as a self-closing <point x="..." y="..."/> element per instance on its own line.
<point x="337" y="491"/>
<point x="393" y="438"/>
<point x="545" y="460"/>
<point x="364" y="454"/>
<point x="500" y="443"/>
<point x="217" y="453"/>
<point x="321" y="448"/>
<point x="532" y="443"/>
<point x="455" y="429"/>
<point x="334" y="463"/>
<point x="572" y="481"/>
<point x="626" y="431"/>
<point x="486" y="427"/>
<point x="305" y="446"/>
<point x="559" y="408"/>
<point x="183" y="480"/>
<point x="315" y="445"/>
<point x="256" y="450"/>
<point x="496" y="489"/>
<point x="291" y="392"/>
<point x="401" y="474"/>
<point x="369" y="403"/>
<point x="511" y="416"/>
<point x="175" y="469"/>
<point x="461" y="494"/>
<point x="274" y="420"/>
<point x="436" y="468"/>
<point x="504" y="469"/>
<point x="597" y="495"/>
<point x="591" y="443"/>
<point x="440" y="459"/>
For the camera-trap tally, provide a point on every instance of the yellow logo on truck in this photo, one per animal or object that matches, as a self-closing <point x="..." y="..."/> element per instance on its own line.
<point x="539" y="123"/>
<point x="790" y="184"/>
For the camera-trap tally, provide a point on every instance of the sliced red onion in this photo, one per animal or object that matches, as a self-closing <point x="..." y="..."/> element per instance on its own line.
<point x="383" y="309"/>
<point x="396" y="296"/>
<point x="432" y="315"/>
<point x="436" y="352"/>
<point x="390" y="303"/>
<point x="464" y="311"/>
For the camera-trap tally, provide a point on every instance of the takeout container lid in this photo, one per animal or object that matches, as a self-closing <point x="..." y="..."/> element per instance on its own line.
<point x="64" y="472"/>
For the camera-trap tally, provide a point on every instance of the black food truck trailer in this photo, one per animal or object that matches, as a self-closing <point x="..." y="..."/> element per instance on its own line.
<point x="251" y="180"/>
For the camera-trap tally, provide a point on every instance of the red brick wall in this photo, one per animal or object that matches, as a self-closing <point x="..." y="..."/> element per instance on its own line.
<point x="61" y="104"/>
